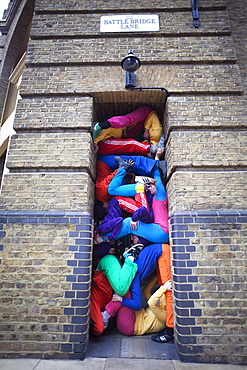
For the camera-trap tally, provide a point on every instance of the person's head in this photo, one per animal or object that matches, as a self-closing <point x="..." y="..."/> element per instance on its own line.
<point x="100" y="210"/>
<point x="152" y="188"/>
<point x="139" y="240"/>
<point x="113" y="251"/>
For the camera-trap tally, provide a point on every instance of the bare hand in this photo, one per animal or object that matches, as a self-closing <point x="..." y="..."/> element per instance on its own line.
<point x="134" y="225"/>
<point x="116" y="298"/>
<point x="168" y="285"/>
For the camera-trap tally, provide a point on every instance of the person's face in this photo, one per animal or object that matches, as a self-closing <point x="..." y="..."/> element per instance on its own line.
<point x="135" y="239"/>
<point x="112" y="251"/>
<point x="152" y="189"/>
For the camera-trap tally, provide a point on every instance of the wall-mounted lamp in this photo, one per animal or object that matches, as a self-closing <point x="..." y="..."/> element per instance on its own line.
<point x="130" y="64"/>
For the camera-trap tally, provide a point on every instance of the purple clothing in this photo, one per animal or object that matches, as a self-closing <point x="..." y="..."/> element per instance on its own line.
<point x="112" y="222"/>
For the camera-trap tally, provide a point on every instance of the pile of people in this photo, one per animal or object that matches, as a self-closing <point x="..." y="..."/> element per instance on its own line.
<point x="131" y="228"/>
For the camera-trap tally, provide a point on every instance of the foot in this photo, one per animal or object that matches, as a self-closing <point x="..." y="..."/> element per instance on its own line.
<point x="123" y="164"/>
<point x="96" y="130"/>
<point x="162" y="338"/>
<point x="134" y="251"/>
<point x="144" y="180"/>
<point x="105" y="318"/>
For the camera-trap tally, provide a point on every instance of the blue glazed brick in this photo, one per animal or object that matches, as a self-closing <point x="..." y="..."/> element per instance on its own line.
<point x="205" y="220"/>
<point x="181" y="271"/>
<point x="69" y="295"/>
<point x="181" y="312"/>
<point x="187" y="304"/>
<point x="77" y="338"/>
<point x="79" y="302"/>
<point x="196" y="330"/>
<point x="194" y="295"/>
<point x="74" y="220"/>
<point x="192" y="279"/>
<point x="33" y="220"/>
<point x="82" y="311"/>
<point x="81" y="278"/>
<point x="43" y="220"/>
<point x="177" y="220"/>
<point x="79" y="270"/>
<point x="189" y="234"/>
<point x="178" y="249"/>
<point x="190" y="248"/>
<point x="58" y="220"/>
<point x="185" y="321"/>
<point x="18" y="220"/>
<point x="196" y="312"/>
<point x="3" y="220"/>
<point x="76" y="356"/>
<point x="177" y="234"/>
<point x="242" y="219"/>
<point x="180" y="295"/>
<point x="86" y="220"/>
<point x="186" y="339"/>
<point x="188" y="220"/>
<point x="73" y="234"/>
<point x="179" y="263"/>
<point x="181" y="256"/>
<point x="86" y="247"/>
<point x="2" y="234"/>
<point x="69" y="311"/>
<point x="83" y="294"/>
<point x="183" y="287"/>
<point x="79" y="286"/>
<point x="79" y="328"/>
<point x="180" y="279"/>
<point x="78" y="320"/>
<point x="78" y="348"/>
<point x="180" y="241"/>
<point x="1" y="227"/>
<point x="71" y="278"/>
<point x="66" y="348"/>
<point x="86" y="228"/>
<point x="84" y="263"/>
<point x="72" y="248"/>
<point x="183" y="330"/>
<point x="81" y="241"/>
<point x="71" y="263"/>
<point x="1" y="248"/>
<point x="191" y="263"/>
<point x="68" y="328"/>
<point x="82" y="256"/>
<point x="179" y="227"/>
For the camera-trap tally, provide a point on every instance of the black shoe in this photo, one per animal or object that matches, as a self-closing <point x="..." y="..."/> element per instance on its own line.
<point x="122" y="163"/>
<point x="162" y="338"/>
<point x="134" y="251"/>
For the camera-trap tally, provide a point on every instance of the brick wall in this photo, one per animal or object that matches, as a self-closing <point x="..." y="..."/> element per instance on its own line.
<point x="73" y="77"/>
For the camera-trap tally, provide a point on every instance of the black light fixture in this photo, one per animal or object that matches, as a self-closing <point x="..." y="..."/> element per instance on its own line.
<point x="130" y="64"/>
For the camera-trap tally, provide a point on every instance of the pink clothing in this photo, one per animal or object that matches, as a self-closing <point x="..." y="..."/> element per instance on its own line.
<point x="125" y="316"/>
<point x="160" y="209"/>
<point x="139" y="114"/>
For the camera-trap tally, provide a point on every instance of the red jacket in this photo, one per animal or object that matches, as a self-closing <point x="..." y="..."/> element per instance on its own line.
<point x="101" y="294"/>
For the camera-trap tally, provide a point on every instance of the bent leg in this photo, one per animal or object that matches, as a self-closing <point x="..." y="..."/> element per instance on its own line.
<point x="123" y="146"/>
<point x="164" y="274"/>
<point x="120" y="277"/>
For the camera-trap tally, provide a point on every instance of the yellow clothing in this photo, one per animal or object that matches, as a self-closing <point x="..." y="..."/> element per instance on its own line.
<point x="152" y="124"/>
<point x="109" y="132"/>
<point x="152" y="319"/>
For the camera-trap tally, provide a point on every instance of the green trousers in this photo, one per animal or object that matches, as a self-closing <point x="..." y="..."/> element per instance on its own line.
<point x="120" y="277"/>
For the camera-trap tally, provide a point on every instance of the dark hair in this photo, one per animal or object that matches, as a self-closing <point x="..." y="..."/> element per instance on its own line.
<point x="99" y="210"/>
